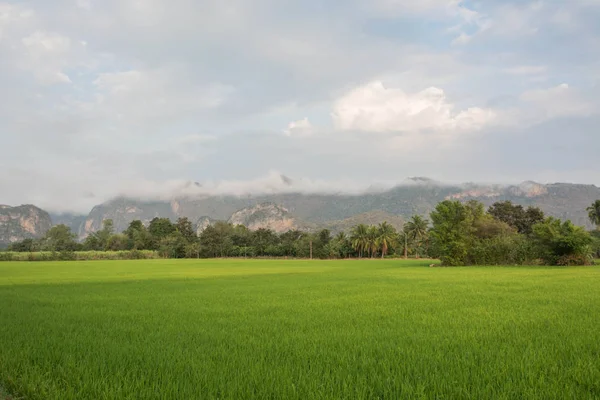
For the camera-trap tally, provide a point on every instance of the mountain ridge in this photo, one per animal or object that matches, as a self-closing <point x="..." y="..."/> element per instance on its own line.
<point x="335" y="211"/>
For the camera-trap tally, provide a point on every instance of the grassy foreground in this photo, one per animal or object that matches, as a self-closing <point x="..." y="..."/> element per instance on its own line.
<point x="169" y="329"/>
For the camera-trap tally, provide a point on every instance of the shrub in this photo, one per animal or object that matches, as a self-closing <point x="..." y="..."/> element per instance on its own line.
<point x="79" y="255"/>
<point x="562" y="242"/>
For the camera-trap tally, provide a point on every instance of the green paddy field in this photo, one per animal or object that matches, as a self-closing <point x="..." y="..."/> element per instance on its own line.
<point x="256" y="329"/>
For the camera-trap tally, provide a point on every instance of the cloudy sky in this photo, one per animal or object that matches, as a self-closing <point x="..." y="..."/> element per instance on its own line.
<point x="107" y="97"/>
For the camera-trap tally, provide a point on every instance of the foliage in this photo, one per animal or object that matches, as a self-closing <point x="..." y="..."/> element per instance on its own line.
<point x="59" y="238"/>
<point x="594" y="213"/>
<point x="516" y="216"/>
<point x="562" y="243"/>
<point x="79" y="255"/>
<point x="417" y="232"/>
<point x="452" y="231"/>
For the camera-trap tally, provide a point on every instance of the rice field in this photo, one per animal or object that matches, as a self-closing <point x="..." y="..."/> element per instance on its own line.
<point x="257" y="329"/>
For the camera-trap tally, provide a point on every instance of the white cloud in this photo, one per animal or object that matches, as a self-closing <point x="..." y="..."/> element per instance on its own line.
<point x="195" y="139"/>
<point x="300" y="128"/>
<point x="84" y="4"/>
<point x="527" y="70"/>
<point x="12" y="14"/>
<point x="376" y="108"/>
<point x="46" y="56"/>
<point x="144" y="96"/>
<point x="146" y="75"/>
<point x="415" y="6"/>
<point x="556" y="102"/>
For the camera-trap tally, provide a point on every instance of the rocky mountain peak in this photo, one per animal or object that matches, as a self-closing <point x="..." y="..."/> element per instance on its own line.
<point x="264" y="215"/>
<point x="22" y="222"/>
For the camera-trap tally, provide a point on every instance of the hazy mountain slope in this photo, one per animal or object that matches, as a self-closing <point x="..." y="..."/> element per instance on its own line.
<point x="335" y="211"/>
<point x="22" y="222"/>
<point x="266" y="216"/>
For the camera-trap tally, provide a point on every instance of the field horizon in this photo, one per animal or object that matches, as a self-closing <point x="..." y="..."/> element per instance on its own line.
<point x="297" y="329"/>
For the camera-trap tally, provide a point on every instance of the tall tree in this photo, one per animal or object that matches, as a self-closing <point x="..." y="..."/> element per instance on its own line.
<point x="594" y="214"/>
<point x="160" y="228"/>
<point x="60" y="238"/>
<point x="138" y="237"/>
<point x="416" y="230"/>
<point x="452" y="231"/>
<point x="104" y="234"/>
<point x="372" y="242"/>
<point x="344" y="244"/>
<point x="262" y="239"/>
<point x="186" y="229"/>
<point x="359" y="239"/>
<point x="516" y="216"/>
<point x="386" y="236"/>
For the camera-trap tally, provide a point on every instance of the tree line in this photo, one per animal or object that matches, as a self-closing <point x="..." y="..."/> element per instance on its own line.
<point x="457" y="233"/>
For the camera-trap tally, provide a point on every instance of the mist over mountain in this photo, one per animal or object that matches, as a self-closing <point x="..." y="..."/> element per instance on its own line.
<point x="311" y="209"/>
<point x="282" y="203"/>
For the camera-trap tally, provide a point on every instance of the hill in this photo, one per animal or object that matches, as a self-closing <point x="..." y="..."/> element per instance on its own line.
<point x="339" y="211"/>
<point x="22" y="222"/>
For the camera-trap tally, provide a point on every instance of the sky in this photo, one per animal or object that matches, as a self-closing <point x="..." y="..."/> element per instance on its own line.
<point x="101" y="98"/>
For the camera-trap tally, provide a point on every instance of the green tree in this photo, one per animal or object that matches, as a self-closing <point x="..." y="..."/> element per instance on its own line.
<point x="160" y="228"/>
<point x="138" y="236"/>
<point x="289" y="242"/>
<point x="359" y="239"/>
<point x="533" y="216"/>
<point x="452" y="231"/>
<point x="216" y="239"/>
<point x="386" y="236"/>
<point x="344" y="245"/>
<point x="516" y="216"/>
<point x="594" y="214"/>
<point x="262" y="239"/>
<point x="59" y="238"/>
<point x="173" y="246"/>
<point x="104" y="234"/>
<point x="25" y="246"/>
<point x="562" y="243"/>
<point x="372" y="240"/>
<point x="416" y="230"/>
<point x="117" y="242"/>
<point x="186" y="229"/>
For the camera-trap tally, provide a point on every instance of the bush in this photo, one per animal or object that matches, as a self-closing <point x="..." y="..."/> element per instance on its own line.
<point x="502" y="250"/>
<point x="574" y="260"/>
<point x="79" y="255"/>
<point x="562" y="243"/>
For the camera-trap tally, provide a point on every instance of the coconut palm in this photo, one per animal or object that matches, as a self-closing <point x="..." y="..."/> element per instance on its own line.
<point x="372" y="243"/>
<point x="344" y="245"/>
<point x="416" y="229"/>
<point x="359" y="238"/>
<point x="386" y="235"/>
<point x="594" y="213"/>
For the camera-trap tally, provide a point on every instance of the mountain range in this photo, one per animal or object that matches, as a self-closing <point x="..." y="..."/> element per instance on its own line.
<point x="282" y="211"/>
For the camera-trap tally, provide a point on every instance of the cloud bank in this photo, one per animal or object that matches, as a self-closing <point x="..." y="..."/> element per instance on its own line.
<point x="102" y="98"/>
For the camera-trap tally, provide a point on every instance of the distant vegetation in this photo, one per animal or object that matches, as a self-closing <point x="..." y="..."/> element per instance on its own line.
<point x="457" y="233"/>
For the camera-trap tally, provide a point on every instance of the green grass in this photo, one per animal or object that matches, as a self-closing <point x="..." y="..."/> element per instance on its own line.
<point x="167" y="329"/>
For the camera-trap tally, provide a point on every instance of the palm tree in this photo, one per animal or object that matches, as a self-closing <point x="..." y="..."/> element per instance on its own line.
<point x="386" y="236"/>
<point x="372" y="244"/>
<point x="343" y="243"/>
<point x="416" y="229"/>
<point x="594" y="214"/>
<point x="359" y="238"/>
<point x="403" y="238"/>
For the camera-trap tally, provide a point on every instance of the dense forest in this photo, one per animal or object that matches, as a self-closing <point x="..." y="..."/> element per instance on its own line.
<point x="456" y="233"/>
